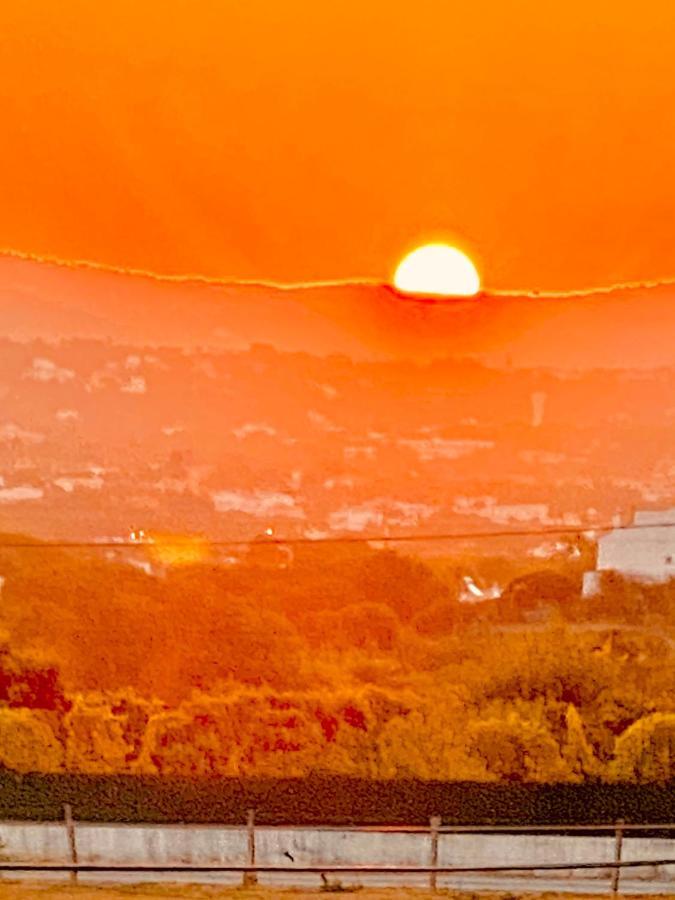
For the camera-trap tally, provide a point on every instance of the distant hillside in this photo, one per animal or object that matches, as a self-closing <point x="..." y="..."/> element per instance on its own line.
<point x="622" y="329"/>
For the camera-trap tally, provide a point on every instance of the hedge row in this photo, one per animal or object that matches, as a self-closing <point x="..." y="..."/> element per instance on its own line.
<point x="328" y="801"/>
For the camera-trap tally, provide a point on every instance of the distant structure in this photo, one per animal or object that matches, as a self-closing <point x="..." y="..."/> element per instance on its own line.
<point x="645" y="552"/>
<point x="538" y="404"/>
<point x="470" y="592"/>
<point x="136" y="555"/>
<point x="267" y="552"/>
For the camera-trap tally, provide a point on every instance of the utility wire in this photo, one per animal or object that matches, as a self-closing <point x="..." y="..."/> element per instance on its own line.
<point x="267" y="541"/>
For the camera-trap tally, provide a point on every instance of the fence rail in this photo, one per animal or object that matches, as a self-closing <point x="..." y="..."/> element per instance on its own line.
<point x="554" y="829"/>
<point x="607" y="828"/>
<point x="338" y="868"/>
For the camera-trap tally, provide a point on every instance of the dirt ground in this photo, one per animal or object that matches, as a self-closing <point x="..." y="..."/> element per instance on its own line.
<point x="25" y="890"/>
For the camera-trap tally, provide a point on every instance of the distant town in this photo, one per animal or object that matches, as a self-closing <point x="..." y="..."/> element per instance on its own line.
<point x="109" y="444"/>
<point x="97" y="440"/>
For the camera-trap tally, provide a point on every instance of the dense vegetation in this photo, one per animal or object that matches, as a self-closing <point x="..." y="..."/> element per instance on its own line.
<point x="328" y="800"/>
<point x="349" y="663"/>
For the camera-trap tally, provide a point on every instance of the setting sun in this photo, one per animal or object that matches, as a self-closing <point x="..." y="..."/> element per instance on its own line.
<point x="438" y="270"/>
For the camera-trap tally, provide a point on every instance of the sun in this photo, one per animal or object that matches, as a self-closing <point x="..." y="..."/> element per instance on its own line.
<point x="437" y="270"/>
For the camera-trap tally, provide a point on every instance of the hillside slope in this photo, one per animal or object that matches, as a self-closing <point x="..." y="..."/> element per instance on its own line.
<point x="625" y="328"/>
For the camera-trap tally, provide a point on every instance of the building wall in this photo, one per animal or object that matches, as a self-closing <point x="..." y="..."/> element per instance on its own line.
<point x="648" y="554"/>
<point x="654" y="516"/>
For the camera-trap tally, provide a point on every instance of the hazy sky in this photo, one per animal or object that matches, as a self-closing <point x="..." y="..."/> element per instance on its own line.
<point x="298" y="140"/>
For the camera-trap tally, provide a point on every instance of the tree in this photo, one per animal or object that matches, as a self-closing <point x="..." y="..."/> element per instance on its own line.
<point x="515" y="749"/>
<point x="439" y="618"/>
<point x="441" y="755"/>
<point x="371" y="626"/>
<point x="178" y="742"/>
<point x="540" y="588"/>
<point x="404" y="584"/>
<point x="245" y="733"/>
<point x="576" y="750"/>
<point x="95" y="737"/>
<point x="27" y="743"/>
<point x="26" y="681"/>
<point x="646" y="750"/>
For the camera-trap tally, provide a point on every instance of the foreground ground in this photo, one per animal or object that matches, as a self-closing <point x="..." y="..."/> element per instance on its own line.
<point x="25" y="890"/>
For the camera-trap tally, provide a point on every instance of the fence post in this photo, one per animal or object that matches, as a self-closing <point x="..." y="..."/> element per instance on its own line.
<point x="434" y="825"/>
<point x="250" y="878"/>
<point x="618" y="844"/>
<point x="72" y="841"/>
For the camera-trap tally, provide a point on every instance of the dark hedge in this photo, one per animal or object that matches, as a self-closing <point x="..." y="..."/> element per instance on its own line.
<point x="327" y="801"/>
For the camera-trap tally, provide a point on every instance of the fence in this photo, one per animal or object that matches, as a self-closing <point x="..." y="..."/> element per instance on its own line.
<point x="249" y="868"/>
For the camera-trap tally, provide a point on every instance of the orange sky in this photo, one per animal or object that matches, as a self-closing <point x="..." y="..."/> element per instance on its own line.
<point x="300" y="140"/>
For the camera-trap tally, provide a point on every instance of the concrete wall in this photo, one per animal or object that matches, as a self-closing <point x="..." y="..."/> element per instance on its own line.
<point x="194" y="845"/>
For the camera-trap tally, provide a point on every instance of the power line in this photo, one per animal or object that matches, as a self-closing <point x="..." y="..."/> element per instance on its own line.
<point x="266" y="541"/>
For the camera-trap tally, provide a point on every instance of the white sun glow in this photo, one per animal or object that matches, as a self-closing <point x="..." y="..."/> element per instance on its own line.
<point x="437" y="270"/>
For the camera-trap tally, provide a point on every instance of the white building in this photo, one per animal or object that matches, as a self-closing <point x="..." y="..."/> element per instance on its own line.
<point x="470" y="592"/>
<point x="645" y="549"/>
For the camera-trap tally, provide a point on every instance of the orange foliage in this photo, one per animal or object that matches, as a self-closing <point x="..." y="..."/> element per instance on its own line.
<point x="208" y="672"/>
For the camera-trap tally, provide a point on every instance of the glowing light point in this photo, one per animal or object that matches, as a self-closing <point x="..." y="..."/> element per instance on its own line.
<point x="437" y="270"/>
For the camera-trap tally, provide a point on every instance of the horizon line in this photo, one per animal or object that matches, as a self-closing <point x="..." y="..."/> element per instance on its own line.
<point x="222" y="281"/>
